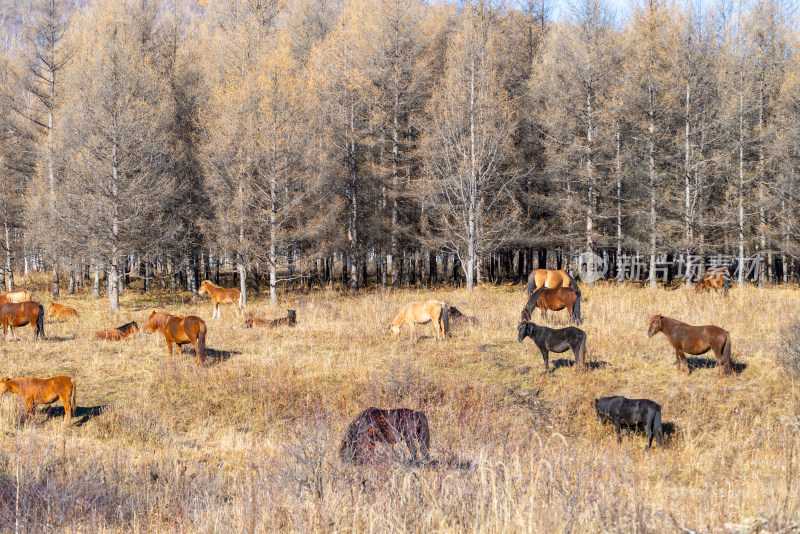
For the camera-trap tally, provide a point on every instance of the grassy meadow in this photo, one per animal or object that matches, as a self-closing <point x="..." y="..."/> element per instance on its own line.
<point x="249" y="443"/>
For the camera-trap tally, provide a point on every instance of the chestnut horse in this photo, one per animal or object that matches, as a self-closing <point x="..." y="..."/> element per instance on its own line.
<point x="43" y="391"/>
<point x="421" y="313"/>
<point x="119" y="333"/>
<point x="16" y="314"/>
<point x="289" y="320"/>
<point x="554" y="299"/>
<point x="220" y="295"/>
<point x="374" y="426"/>
<point x="547" y="278"/>
<point x="180" y="329"/>
<point x="716" y="279"/>
<point x="59" y="311"/>
<point x="694" y="340"/>
<point x="22" y="295"/>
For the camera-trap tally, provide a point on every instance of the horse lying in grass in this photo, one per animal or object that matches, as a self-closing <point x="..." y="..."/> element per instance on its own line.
<point x="16" y="314"/>
<point x="220" y="295"/>
<point x="21" y="295"/>
<point x="561" y="340"/>
<point x="43" y="391"/>
<point x="289" y="320"/>
<point x="694" y="340"/>
<point x="180" y="329"/>
<point x="374" y="426"/>
<point x="60" y="311"/>
<point x="551" y="279"/>
<point x="423" y="312"/>
<point x="554" y="299"/>
<point x="457" y="318"/>
<point x="717" y="279"/>
<point x="118" y="334"/>
<point x="631" y="412"/>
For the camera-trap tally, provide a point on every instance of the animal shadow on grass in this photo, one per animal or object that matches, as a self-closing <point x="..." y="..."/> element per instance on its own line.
<point x="216" y="357"/>
<point x="82" y="413"/>
<point x="450" y="461"/>
<point x="564" y="362"/>
<point x="708" y="363"/>
<point x="62" y="338"/>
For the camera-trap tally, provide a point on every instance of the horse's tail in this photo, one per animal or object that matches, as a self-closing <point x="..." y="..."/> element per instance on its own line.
<point x="201" y="341"/>
<point x="423" y="435"/>
<point x="39" y="324"/>
<point x="657" y="429"/>
<point x="572" y="283"/>
<point x="531" y="283"/>
<point x="444" y="319"/>
<point x="726" y="355"/>
<point x="576" y="310"/>
<point x="72" y="399"/>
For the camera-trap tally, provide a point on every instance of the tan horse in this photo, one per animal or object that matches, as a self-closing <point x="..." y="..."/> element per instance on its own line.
<point x="220" y="295"/>
<point x="60" y="311"/>
<point x="423" y="312"/>
<point x="22" y="295"/>
<point x="180" y="329"/>
<point x="43" y="391"/>
<point x="550" y="279"/>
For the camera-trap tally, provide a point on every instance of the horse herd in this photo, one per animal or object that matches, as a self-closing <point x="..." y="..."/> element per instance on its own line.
<point x="547" y="290"/>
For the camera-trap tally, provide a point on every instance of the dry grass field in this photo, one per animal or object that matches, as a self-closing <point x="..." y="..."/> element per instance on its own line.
<point x="250" y="442"/>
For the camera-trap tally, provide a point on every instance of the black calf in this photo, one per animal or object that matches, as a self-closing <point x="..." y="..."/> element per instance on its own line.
<point x="631" y="412"/>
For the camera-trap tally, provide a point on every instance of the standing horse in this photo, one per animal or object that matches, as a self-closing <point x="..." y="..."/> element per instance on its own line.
<point x="547" y="278"/>
<point x="43" y="391"/>
<point x="374" y="426"/>
<point x="716" y="279"/>
<point x="21" y="295"/>
<point x="16" y="314"/>
<point x="423" y="312"/>
<point x="220" y="295"/>
<point x="558" y="341"/>
<point x="694" y="340"/>
<point x="180" y="329"/>
<point x="554" y="299"/>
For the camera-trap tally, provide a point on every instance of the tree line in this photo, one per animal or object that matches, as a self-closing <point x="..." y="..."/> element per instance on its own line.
<point x="275" y="144"/>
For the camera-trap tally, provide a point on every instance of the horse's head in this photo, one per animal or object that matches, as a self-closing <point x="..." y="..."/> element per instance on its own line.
<point x="4" y="384"/>
<point x="52" y="308"/>
<point x="395" y="331"/>
<point x="151" y="324"/>
<point x="655" y="326"/>
<point x="698" y="287"/>
<point x="203" y="287"/>
<point x="522" y="327"/>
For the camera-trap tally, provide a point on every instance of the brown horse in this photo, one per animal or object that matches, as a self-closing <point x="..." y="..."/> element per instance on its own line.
<point x="421" y="313"/>
<point x="554" y="299"/>
<point x="21" y="295"/>
<point x="374" y="426"/>
<point x="547" y="278"/>
<point x="16" y="314"/>
<point x="718" y="279"/>
<point x="119" y="333"/>
<point x="43" y="391"/>
<point x="289" y="320"/>
<point x="60" y="311"/>
<point x="180" y="329"/>
<point x="220" y="295"/>
<point x="694" y="340"/>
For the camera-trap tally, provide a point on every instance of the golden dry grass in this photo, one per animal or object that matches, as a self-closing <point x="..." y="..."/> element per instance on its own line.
<point x="249" y="443"/>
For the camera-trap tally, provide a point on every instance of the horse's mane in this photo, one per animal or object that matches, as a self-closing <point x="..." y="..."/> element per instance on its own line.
<point x="160" y="319"/>
<point x="531" y="304"/>
<point x="210" y="284"/>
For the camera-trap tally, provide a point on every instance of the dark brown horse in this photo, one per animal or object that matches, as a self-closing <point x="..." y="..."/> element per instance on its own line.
<point x="717" y="279"/>
<point x="554" y="299"/>
<point x="180" y="329"/>
<point x="16" y="314"/>
<point x="374" y="426"/>
<point x="547" y="278"/>
<point x="694" y="340"/>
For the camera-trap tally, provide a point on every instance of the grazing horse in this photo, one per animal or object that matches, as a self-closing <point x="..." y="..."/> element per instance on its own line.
<point x="59" y="311"/>
<point x="16" y="314"/>
<point x="423" y="312"/>
<point x="220" y="295"/>
<point x="388" y="427"/>
<point x="43" y="391"/>
<point x="716" y="279"/>
<point x="289" y="320"/>
<point x="560" y="340"/>
<point x="694" y="340"/>
<point x="554" y="299"/>
<point x="119" y="333"/>
<point x="180" y="329"/>
<point x="547" y="278"/>
<point x="631" y="412"/>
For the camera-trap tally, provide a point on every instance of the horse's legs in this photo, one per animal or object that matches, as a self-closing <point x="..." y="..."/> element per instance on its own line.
<point x="546" y="358"/>
<point x="680" y="359"/>
<point x="412" y="448"/>
<point x="197" y="353"/>
<point x="169" y="346"/>
<point x="67" y="408"/>
<point x="649" y="427"/>
<point x="617" y="425"/>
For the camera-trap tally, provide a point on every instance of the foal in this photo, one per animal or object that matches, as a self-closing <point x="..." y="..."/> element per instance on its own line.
<point x="560" y="340"/>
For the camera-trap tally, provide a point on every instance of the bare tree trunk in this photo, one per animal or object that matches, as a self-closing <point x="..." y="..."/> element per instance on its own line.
<point x="9" y="272"/>
<point x="473" y="186"/>
<point x="273" y="246"/>
<point x="619" y="195"/>
<point x="590" y="172"/>
<point x="96" y="292"/>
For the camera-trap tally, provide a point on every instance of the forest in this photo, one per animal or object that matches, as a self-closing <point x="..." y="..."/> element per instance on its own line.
<point x="286" y="144"/>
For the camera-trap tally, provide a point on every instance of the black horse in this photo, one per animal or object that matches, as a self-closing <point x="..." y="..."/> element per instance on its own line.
<point x="632" y="412"/>
<point x="373" y="426"/>
<point x="560" y="340"/>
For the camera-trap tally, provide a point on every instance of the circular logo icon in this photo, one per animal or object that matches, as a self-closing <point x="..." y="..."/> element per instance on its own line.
<point x="591" y="267"/>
